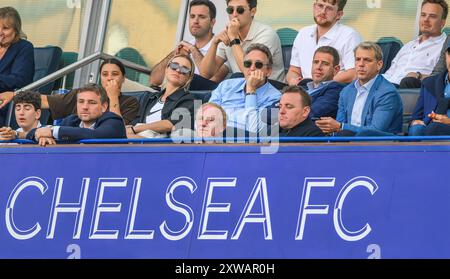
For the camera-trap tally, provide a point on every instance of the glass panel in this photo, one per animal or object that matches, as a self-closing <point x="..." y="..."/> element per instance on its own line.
<point x="371" y="18"/>
<point x="147" y="26"/>
<point x="50" y="22"/>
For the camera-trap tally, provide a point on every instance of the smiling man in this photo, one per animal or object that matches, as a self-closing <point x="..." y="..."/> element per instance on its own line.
<point x="416" y="59"/>
<point x="369" y="106"/>
<point x="93" y="120"/>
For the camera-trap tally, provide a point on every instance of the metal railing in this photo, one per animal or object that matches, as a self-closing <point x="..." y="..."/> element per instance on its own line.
<point x="71" y="68"/>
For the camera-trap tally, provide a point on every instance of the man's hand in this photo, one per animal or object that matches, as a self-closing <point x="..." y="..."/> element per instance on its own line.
<point x="255" y="80"/>
<point x="46" y="141"/>
<point x="112" y="88"/>
<point x="187" y="47"/>
<point x="5" y="98"/>
<point x="43" y="133"/>
<point x="7" y="133"/>
<point x="439" y="118"/>
<point x="293" y="80"/>
<point x="417" y="122"/>
<point x="222" y="37"/>
<point x="328" y="125"/>
<point x="233" y="29"/>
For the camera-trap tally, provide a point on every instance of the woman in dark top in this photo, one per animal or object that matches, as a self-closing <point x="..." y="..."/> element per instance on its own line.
<point x="112" y="76"/>
<point x="16" y="54"/>
<point x="170" y="108"/>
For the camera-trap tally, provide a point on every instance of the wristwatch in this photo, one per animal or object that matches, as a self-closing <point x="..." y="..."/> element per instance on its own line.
<point x="235" y="42"/>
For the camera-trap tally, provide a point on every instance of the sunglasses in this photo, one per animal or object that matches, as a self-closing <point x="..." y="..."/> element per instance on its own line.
<point x="258" y="64"/>
<point x="176" y="67"/>
<point x="239" y="9"/>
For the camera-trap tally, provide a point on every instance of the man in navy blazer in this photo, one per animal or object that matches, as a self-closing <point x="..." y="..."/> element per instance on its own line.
<point x="370" y="105"/>
<point x="93" y="120"/>
<point x="323" y="90"/>
<point x="434" y="99"/>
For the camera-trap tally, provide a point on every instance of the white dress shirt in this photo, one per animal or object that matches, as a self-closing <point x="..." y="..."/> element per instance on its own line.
<point x="415" y="57"/>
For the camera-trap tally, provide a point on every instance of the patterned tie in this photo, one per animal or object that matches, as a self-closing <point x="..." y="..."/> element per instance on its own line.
<point x="447" y="96"/>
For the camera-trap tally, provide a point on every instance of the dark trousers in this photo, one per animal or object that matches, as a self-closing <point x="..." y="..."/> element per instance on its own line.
<point x="201" y="83"/>
<point x="437" y="129"/>
<point x="410" y="82"/>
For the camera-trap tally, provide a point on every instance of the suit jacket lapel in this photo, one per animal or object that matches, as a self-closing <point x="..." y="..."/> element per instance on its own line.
<point x="8" y="57"/>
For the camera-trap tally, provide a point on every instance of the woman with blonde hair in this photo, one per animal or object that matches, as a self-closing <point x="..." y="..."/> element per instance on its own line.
<point x="171" y="108"/>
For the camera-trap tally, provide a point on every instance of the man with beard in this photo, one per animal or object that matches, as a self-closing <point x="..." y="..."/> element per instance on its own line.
<point x="416" y="59"/>
<point x="327" y="31"/>
<point x="202" y="17"/>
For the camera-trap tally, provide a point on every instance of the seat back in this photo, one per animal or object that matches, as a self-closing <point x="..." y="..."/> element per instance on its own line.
<point x="390" y="47"/>
<point x="409" y="98"/>
<point x="202" y="95"/>
<point x="287" y="38"/>
<point x="67" y="58"/>
<point x="132" y="55"/>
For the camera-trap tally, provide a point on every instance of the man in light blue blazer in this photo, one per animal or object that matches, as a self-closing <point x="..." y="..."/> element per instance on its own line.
<point x="369" y="106"/>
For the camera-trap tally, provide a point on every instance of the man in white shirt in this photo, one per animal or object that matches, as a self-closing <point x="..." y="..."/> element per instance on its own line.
<point x="241" y="32"/>
<point x="202" y="17"/>
<point x="416" y="60"/>
<point x="327" y="31"/>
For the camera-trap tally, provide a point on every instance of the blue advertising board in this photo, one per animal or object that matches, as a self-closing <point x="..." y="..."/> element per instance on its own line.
<point x="224" y="202"/>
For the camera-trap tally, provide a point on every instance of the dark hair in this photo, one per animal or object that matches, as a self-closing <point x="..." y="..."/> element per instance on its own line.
<point x="306" y="99"/>
<point x="13" y="14"/>
<point x="331" y="51"/>
<point x="263" y="49"/>
<point x="100" y="91"/>
<point x="29" y="97"/>
<point x="115" y="62"/>
<point x="207" y="3"/>
<point x="251" y="3"/>
<point x="442" y="3"/>
<point x="340" y="3"/>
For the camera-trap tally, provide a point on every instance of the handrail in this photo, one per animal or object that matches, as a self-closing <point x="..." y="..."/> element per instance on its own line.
<point x="73" y="67"/>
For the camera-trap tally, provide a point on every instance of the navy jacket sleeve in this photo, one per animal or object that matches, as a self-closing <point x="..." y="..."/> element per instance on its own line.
<point x="18" y="69"/>
<point x="326" y="102"/>
<point x="419" y="108"/>
<point x="109" y="125"/>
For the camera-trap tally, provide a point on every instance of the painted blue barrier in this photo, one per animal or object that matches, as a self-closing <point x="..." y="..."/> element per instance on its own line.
<point x="194" y="201"/>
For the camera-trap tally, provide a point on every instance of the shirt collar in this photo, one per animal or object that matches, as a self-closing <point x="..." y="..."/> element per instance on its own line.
<point x="367" y="86"/>
<point x="331" y="34"/>
<point x="252" y="31"/>
<point x="311" y="86"/>
<point x="90" y="127"/>
<point x="432" y="39"/>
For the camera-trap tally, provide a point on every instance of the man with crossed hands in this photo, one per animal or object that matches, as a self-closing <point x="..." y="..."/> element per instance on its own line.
<point x="243" y="99"/>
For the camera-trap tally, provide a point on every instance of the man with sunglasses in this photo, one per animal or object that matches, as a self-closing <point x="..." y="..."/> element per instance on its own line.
<point x="327" y="31"/>
<point x="244" y="99"/>
<point x="241" y="32"/>
<point x="202" y="18"/>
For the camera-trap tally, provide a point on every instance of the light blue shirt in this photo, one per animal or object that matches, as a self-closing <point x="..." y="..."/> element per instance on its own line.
<point x="447" y="92"/>
<point x="312" y="88"/>
<point x="243" y="111"/>
<point x="360" y="100"/>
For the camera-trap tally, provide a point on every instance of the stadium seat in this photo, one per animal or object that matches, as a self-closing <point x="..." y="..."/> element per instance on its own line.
<point x="390" y="47"/>
<point x="132" y="55"/>
<point x="67" y="58"/>
<point x="409" y="98"/>
<point x="287" y="37"/>
<point x="203" y="95"/>
<point x="446" y="30"/>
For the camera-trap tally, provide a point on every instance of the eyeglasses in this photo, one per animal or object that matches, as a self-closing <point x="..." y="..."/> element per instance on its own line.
<point x="258" y="64"/>
<point x="177" y="67"/>
<point x="323" y="7"/>
<point x="239" y="9"/>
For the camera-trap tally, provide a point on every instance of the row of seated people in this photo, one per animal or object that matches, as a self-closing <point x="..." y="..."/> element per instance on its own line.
<point x="238" y="102"/>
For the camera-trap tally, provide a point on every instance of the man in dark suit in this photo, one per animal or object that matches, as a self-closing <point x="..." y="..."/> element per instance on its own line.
<point x="93" y="120"/>
<point x="369" y="106"/>
<point x="430" y="116"/>
<point x="295" y="107"/>
<point x="324" y="91"/>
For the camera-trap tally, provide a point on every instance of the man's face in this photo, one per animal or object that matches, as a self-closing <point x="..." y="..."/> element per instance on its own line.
<point x="326" y="14"/>
<point x="245" y="18"/>
<point x="292" y="112"/>
<point x="367" y="67"/>
<point x="322" y="67"/>
<point x="200" y="22"/>
<point x="27" y="116"/>
<point x="89" y="107"/>
<point x="431" y="22"/>
<point x="257" y="56"/>
<point x="209" y="122"/>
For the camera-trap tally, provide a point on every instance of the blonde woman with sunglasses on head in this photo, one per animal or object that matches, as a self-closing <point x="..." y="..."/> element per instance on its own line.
<point x="173" y="106"/>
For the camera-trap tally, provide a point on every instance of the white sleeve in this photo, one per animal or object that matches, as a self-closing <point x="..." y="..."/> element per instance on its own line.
<point x="348" y="55"/>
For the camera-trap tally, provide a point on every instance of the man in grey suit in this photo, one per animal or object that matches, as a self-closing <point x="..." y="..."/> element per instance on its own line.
<point x="371" y="104"/>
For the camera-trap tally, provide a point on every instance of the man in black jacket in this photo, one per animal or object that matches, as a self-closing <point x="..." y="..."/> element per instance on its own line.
<point x="295" y="106"/>
<point x="92" y="121"/>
